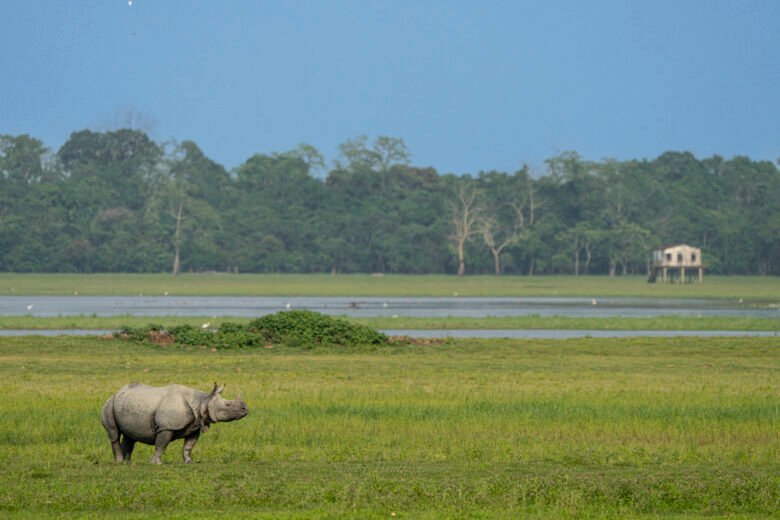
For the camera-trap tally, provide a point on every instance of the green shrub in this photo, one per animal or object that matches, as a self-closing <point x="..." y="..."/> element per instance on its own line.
<point x="189" y="335"/>
<point x="308" y="328"/>
<point x="235" y="335"/>
<point x="293" y="328"/>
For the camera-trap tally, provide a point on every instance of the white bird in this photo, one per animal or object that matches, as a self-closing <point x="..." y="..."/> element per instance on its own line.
<point x="287" y="305"/>
<point x="205" y="325"/>
<point x="29" y="307"/>
<point x="593" y="301"/>
<point x="384" y="305"/>
<point x="130" y="2"/>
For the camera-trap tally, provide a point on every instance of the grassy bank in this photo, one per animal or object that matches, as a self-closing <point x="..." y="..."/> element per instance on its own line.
<point x="603" y="428"/>
<point x="750" y="289"/>
<point x="745" y="323"/>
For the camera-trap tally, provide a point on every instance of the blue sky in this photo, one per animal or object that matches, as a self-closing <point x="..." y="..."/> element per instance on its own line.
<point x="468" y="85"/>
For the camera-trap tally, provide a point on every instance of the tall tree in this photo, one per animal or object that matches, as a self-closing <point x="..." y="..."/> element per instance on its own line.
<point x="25" y="160"/>
<point x="278" y="204"/>
<point x="579" y="240"/>
<point x="192" y="192"/>
<point x="465" y="213"/>
<point x="511" y="210"/>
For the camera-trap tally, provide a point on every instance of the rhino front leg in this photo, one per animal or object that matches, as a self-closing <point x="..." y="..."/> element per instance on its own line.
<point x="161" y="442"/>
<point x="189" y="443"/>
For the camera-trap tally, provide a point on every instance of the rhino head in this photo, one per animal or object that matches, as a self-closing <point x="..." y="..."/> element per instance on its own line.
<point x="215" y="408"/>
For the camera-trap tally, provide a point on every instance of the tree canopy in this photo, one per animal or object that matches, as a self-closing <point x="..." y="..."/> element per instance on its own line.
<point x="117" y="201"/>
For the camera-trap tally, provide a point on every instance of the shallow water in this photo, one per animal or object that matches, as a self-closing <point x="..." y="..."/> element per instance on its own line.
<point x="47" y="306"/>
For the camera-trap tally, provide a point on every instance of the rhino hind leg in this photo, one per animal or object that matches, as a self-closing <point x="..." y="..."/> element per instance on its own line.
<point x="161" y="442"/>
<point x="118" y="455"/>
<point x="127" y="447"/>
<point x="109" y="423"/>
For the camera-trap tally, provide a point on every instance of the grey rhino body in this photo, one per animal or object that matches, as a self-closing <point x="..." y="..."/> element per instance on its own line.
<point x="159" y="415"/>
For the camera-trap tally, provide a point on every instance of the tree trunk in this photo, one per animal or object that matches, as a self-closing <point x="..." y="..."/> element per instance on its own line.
<point x="577" y="263"/>
<point x="497" y="262"/>
<point x="531" y="266"/>
<point x="461" y="261"/>
<point x="588" y="256"/>
<point x="176" y="261"/>
<point x="177" y="238"/>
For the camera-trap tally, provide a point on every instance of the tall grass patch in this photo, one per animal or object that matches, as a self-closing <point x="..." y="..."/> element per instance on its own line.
<point x="497" y="428"/>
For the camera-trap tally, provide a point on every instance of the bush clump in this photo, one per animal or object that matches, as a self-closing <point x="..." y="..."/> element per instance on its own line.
<point x="294" y="328"/>
<point x="312" y="328"/>
<point x="141" y="333"/>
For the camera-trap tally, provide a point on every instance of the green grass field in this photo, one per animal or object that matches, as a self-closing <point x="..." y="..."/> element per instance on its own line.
<point x="740" y="323"/>
<point x="751" y="289"/>
<point x="496" y="429"/>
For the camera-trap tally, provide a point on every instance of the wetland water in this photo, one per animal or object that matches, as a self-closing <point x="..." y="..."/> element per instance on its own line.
<point x="48" y="306"/>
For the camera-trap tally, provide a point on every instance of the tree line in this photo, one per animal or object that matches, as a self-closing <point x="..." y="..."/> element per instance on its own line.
<point x="118" y="201"/>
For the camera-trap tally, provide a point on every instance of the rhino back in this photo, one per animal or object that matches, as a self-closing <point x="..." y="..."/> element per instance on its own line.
<point x="142" y="411"/>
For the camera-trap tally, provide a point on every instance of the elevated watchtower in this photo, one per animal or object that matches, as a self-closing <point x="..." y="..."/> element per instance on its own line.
<point x="670" y="263"/>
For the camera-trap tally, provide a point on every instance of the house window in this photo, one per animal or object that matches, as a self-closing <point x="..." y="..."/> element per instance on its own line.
<point x="693" y="257"/>
<point x="668" y="257"/>
<point x="679" y="258"/>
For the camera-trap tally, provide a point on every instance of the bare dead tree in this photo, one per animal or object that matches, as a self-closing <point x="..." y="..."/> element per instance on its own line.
<point x="465" y="214"/>
<point x="178" y="215"/>
<point x="490" y="229"/>
<point x="498" y="237"/>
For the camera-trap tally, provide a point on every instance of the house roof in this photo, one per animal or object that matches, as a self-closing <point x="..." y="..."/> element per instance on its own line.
<point x="677" y="244"/>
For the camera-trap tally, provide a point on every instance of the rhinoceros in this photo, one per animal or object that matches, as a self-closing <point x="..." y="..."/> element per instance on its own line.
<point x="159" y="415"/>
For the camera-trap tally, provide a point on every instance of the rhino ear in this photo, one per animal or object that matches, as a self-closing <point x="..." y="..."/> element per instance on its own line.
<point x="219" y="392"/>
<point x="214" y="390"/>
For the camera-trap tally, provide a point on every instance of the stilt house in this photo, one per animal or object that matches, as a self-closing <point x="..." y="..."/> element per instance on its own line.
<point x="676" y="263"/>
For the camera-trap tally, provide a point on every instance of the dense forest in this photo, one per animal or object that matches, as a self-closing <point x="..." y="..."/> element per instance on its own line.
<point x="117" y="201"/>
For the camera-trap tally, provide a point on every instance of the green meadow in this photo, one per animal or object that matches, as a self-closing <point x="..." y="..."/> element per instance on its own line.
<point x="688" y="323"/>
<point x="622" y="428"/>
<point x="752" y="289"/>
